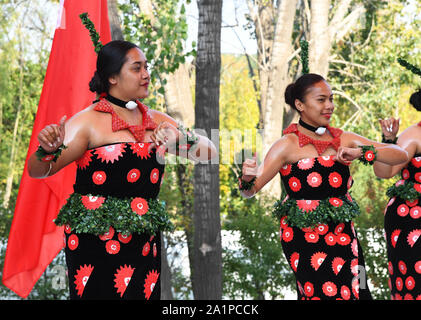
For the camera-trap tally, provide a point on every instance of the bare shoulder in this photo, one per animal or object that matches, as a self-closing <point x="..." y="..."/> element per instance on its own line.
<point x="158" y="117"/>
<point x="412" y="130"/>
<point x="282" y="147"/>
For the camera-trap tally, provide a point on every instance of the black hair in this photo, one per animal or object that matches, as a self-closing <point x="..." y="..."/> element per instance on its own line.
<point x="110" y="60"/>
<point x="298" y="89"/>
<point x="415" y="100"/>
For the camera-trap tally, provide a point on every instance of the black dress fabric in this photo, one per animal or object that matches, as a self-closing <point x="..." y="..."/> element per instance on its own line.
<point x="115" y="265"/>
<point x="326" y="259"/>
<point x="402" y="223"/>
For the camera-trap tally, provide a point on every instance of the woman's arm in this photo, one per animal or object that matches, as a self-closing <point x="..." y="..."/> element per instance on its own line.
<point x="408" y="140"/>
<point x="389" y="154"/>
<point x="169" y="134"/>
<point x="74" y="134"/>
<point x="273" y="162"/>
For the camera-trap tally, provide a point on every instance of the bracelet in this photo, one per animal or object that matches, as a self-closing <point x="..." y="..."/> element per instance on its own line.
<point x="44" y="156"/>
<point x="384" y="140"/>
<point x="190" y="138"/>
<point x="369" y="155"/>
<point x="246" y="185"/>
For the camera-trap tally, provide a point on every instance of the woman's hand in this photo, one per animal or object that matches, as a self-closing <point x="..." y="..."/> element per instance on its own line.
<point x="165" y="134"/>
<point x="390" y="128"/>
<point x="249" y="169"/>
<point x="346" y="155"/>
<point x="52" y="136"/>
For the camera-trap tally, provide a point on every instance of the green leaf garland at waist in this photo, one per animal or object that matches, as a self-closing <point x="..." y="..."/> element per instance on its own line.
<point x="406" y="190"/>
<point x="308" y="213"/>
<point x="95" y="215"/>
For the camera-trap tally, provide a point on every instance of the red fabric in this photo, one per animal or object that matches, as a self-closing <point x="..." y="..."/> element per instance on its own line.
<point x="34" y="240"/>
<point x="320" y="145"/>
<point x="138" y="131"/>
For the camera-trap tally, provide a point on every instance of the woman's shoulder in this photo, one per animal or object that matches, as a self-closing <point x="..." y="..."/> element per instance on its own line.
<point x="158" y="117"/>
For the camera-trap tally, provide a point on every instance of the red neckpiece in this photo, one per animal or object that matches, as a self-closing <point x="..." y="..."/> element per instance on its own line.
<point x="320" y="145"/>
<point x="138" y="131"/>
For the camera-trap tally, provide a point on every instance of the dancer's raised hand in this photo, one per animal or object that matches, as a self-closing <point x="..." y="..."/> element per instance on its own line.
<point x="390" y="128"/>
<point x="51" y="137"/>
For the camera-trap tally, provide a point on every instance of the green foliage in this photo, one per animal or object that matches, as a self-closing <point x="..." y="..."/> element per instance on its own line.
<point x="92" y="32"/>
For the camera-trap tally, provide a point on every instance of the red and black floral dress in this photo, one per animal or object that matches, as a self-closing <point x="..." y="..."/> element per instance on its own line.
<point x="316" y="228"/>
<point x="113" y="218"/>
<point x="402" y="223"/>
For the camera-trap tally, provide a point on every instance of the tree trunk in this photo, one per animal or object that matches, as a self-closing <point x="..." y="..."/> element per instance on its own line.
<point x="207" y="264"/>
<point x="114" y="18"/>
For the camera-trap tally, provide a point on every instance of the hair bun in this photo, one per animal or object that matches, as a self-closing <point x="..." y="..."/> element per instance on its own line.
<point x="289" y="95"/>
<point x="96" y="85"/>
<point x="415" y="100"/>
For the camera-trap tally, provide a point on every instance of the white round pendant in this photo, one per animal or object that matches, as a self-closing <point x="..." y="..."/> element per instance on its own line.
<point x="131" y="105"/>
<point x="320" y="130"/>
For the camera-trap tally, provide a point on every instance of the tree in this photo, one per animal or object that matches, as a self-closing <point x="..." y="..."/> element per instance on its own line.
<point x="207" y="268"/>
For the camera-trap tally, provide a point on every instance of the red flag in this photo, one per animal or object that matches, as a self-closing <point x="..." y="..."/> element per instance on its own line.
<point x="34" y="239"/>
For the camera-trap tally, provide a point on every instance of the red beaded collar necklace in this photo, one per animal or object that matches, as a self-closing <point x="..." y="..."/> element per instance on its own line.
<point x="138" y="131"/>
<point x="320" y="145"/>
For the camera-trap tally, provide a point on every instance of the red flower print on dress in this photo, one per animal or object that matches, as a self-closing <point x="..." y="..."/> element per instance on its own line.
<point x="283" y="222"/>
<point x="399" y="183"/>
<point x="317" y="259"/>
<point x="92" y="202"/>
<point x="417" y="186"/>
<point x="403" y="210"/>
<point x="354" y="267"/>
<point x="345" y="293"/>
<point x="154" y="250"/>
<point x="294" y="184"/>
<point x="73" y="242"/>
<point x="133" y="175"/>
<point x="416" y="162"/>
<point x="154" y="175"/>
<point x="326" y="161"/>
<point x="415" y="212"/>
<point x="99" y="177"/>
<point x="305" y="164"/>
<point x="285" y="170"/>
<point x="413" y="237"/>
<point x="293" y="261"/>
<point x="330" y="239"/>
<point x="339" y="228"/>
<point x="417" y="266"/>
<point x="394" y="237"/>
<point x="418" y="297"/>
<point x="67" y="229"/>
<point x="107" y="235"/>
<point x="405" y="174"/>
<point x="314" y="179"/>
<point x="307" y="205"/>
<point x="111" y="152"/>
<point x="311" y="237"/>
<point x="343" y="239"/>
<point x="141" y="149"/>
<point x="329" y="288"/>
<point x="390" y="267"/>
<point x="410" y="283"/>
<point x="288" y="234"/>
<point x="146" y="249"/>
<point x="399" y="283"/>
<point x="354" y="247"/>
<point x="150" y="283"/>
<point x="112" y="246"/>
<point x="140" y="206"/>
<point x="308" y="229"/>
<point x="335" y="179"/>
<point x="356" y="287"/>
<point x="84" y="161"/>
<point x="124" y="238"/>
<point x="398" y="296"/>
<point x="308" y="289"/>
<point x="322" y="229"/>
<point x="418" y="177"/>
<point x="81" y="278"/>
<point x="336" y="202"/>
<point x="408" y="296"/>
<point x="410" y="203"/>
<point x="122" y="278"/>
<point x="402" y="267"/>
<point x="337" y="264"/>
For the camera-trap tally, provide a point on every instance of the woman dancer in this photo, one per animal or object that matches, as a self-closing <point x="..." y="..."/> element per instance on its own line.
<point x="317" y="233"/>
<point x="402" y="221"/>
<point x="112" y="220"/>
